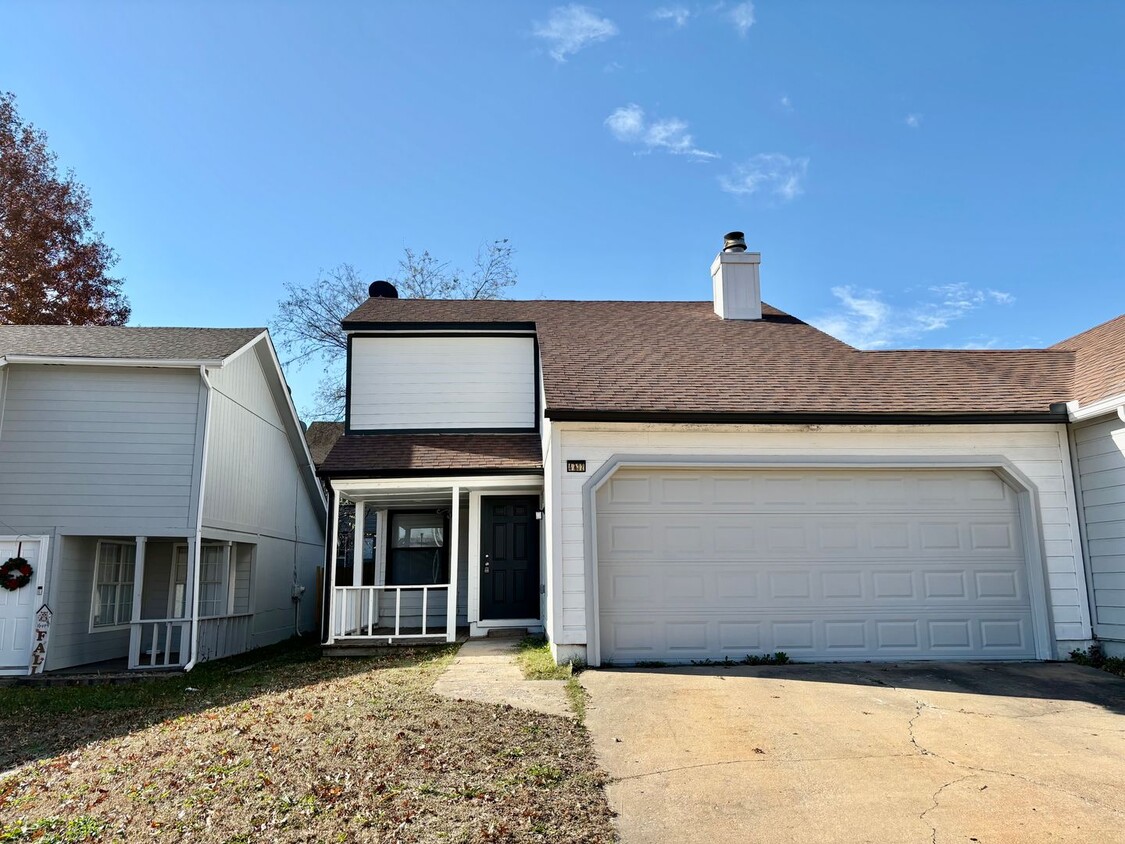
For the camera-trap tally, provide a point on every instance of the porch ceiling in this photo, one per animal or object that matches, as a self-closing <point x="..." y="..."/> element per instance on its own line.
<point x="395" y="499"/>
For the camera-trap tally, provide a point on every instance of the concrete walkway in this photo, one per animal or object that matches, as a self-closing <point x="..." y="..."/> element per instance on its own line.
<point x="485" y="670"/>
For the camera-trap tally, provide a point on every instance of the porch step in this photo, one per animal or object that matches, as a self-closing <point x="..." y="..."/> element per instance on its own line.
<point x="509" y="633"/>
<point x="360" y="649"/>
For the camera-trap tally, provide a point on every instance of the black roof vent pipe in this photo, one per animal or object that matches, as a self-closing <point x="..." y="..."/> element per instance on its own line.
<point x="382" y="290"/>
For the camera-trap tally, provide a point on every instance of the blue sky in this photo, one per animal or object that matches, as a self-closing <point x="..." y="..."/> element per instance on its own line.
<point x="915" y="174"/>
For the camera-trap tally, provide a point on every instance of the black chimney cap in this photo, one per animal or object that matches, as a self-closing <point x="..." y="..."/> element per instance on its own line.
<point x="382" y="290"/>
<point x="734" y="242"/>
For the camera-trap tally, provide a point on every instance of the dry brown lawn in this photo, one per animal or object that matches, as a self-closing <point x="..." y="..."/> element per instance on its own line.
<point x="291" y="747"/>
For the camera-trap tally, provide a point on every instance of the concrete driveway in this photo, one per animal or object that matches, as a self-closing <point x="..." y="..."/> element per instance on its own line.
<point x="1029" y="752"/>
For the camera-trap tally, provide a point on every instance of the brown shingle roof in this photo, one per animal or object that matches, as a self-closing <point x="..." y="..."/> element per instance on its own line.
<point x="673" y="358"/>
<point x="321" y="436"/>
<point x="371" y="455"/>
<point x="107" y="341"/>
<point x="1100" y="366"/>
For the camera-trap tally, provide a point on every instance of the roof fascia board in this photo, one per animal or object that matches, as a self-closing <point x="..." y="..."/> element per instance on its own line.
<point x="346" y="474"/>
<point x="1077" y="412"/>
<point x="676" y="417"/>
<point x="468" y="327"/>
<point x="80" y="361"/>
<point x="444" y="481"/>
<point x="296" y="433"/>
<point x="237" y="352"/>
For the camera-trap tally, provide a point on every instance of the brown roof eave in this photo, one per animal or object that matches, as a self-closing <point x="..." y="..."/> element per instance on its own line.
<point x="353" y="474"/>
<point x="1056" y="414"/>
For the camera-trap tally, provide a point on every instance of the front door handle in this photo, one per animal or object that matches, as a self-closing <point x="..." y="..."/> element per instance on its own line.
<point x="487" y="560"/>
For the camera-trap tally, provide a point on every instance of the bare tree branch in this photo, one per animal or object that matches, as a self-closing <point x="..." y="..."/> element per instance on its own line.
<point x="307" y="322"/>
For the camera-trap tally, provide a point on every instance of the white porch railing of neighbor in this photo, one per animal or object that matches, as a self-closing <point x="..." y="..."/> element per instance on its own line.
<point x="224" y="635"/>
<point x="166" y="642"/>
<point x="159" y="642"/>
<point x="358" y="612"/>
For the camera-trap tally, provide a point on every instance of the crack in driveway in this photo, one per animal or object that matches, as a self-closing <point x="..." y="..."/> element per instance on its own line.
<point x="934" y="805"/>
<point x="920" y="706"/>
<point x="758" y="759"/>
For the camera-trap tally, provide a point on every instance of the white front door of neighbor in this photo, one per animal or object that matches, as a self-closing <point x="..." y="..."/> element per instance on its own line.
<point x="17" y="608"/>
<point x="822" y="564"/>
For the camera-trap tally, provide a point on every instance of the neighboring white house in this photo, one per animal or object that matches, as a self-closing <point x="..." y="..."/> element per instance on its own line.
<point x="697" y="480"/>
<point x="158" y="483"/>
<point x="1098" y="451"/>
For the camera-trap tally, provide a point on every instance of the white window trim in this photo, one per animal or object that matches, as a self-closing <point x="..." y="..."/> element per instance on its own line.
<point x="176" y="546"/>
<point x="227" y="577"/>
<point x="107" y="628"/>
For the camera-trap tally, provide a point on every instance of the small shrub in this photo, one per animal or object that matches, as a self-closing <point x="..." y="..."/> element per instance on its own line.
<point x="1095" y="657"/>
<point x="779" y="658"/>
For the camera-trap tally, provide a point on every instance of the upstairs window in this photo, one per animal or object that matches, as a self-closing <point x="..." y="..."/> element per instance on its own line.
<point x="114" y="573"/>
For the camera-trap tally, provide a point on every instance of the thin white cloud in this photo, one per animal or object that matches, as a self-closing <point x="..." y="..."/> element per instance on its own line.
<point x="742" y="16"/>
<point x="569" y="29"/>
<point x="866" y="320"/>
<point x="771" y="173"/>
<point x="678" y="15"/>
<point x="630" y="126"/>
<point x="786" y="103"/>
<point x="913" y="120"/>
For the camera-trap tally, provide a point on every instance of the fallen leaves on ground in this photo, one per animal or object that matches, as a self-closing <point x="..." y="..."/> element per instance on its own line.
<point x="300" y="749"/>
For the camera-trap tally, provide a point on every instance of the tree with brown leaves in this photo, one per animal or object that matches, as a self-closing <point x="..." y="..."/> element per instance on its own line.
<point x="52" y="264"/>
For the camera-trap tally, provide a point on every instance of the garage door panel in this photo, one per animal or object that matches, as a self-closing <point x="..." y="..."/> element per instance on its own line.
<point x="889" y="587"/>
<point x="847" y="565"/>
<point x="776" y="491"/>
<point x="673" y="534"/>
<point x="680" y="637"/>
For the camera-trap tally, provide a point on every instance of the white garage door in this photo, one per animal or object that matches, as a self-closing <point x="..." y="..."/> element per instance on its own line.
<point x="871" y="564"/>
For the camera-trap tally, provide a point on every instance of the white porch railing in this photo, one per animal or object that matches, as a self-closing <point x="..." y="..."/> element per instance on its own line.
<point x="153" y="641"/>
<point x="224" y="635"/>
<point x="166" y="642"/>
<point x="358" y="613"/>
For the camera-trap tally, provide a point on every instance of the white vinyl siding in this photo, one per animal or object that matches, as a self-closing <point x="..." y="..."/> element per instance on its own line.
<point x="442" y="383"/>
<point x="824" y="564"/>
<point x="1100" y="449"/>
<point x="1038" y="451"/>
<point x="104" y="450"/>
<point x="257" y="498"/>
<point x="113" y="584"/>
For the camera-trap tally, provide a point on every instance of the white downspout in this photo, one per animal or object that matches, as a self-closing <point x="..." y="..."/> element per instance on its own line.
<point x="1121" y="412"/>
<point x="199" y="525"/>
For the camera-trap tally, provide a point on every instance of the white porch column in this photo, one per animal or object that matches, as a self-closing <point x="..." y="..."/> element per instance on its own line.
<point x="454" y="562"/>
<point x="357" y="555"/>
<point x="330" y="574"/>
<point x="135" y="631"/>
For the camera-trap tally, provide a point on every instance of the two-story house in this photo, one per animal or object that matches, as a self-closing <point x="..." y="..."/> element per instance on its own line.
<point x="689" y="480"/>
<point x="156" y="485"/>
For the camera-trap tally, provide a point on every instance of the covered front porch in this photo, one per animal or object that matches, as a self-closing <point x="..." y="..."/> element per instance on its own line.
<point x="415" y="559"/>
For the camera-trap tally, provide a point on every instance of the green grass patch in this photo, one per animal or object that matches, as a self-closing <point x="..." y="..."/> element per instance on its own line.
<point x="534" y="658"/>
<point x="54" y="830"/>
<point x="1095" y="657"/>
<point x="577" y="697"/>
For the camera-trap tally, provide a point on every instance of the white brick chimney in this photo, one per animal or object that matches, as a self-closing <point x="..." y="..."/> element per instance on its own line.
<point x="734" y="276"/>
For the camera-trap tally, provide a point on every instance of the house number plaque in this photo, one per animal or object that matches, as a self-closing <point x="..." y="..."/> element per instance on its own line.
<point x="576" y="465"/>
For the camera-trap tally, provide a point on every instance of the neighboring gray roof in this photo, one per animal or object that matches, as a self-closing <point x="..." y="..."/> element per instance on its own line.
<point x="108" y="341"/>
